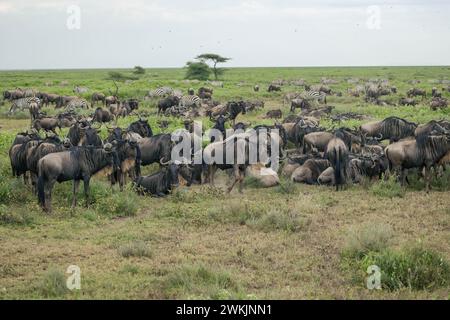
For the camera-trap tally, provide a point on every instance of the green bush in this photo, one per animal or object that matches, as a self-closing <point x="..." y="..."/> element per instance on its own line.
<point x="13" y="190"/>
<point x="287" y="186"/>
<point x="120" y="204"/>
<point x="52" y="284"/>
<point x="416" y="268"/>
<point x="16" y="216"/>
<point x="135" y="249"/>
<point x="285" y="220"/>
<point x="371" y="237"/>
<point x="388" y="188"/>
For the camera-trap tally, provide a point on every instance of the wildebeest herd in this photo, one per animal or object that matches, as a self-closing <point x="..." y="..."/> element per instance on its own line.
<point x="335" y="156"/>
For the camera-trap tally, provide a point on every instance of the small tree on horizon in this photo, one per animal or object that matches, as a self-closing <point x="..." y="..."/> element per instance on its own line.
<point x="197" y="70"/>
<point x="215" y="59"/>
<point x="138" y="70"/>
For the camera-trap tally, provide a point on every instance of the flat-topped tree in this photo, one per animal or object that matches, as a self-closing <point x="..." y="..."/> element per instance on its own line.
<point x="215" y="59"/>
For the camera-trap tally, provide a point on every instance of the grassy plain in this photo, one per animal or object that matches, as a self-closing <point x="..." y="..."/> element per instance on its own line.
<point x="293" y="241"/>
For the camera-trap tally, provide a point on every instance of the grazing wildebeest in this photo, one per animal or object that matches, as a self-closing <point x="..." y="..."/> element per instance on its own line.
<point x="435" y="93"/>
<point x="310" y="171"/>
<point x="256" y="88"/>
<point x="102" y="115"/>
<point x="160" y="183"/>
<point x="392" y="128"/>
<point x="155" y="149"/>
<point x="167" y="103"/>
<point x="132" y="104"/>
<point x="18" y="156"/>
<point x="111" y="100"/>
<point x="98" y="96"/>
<point x="205" y="93"/>
<point x="47" y="124"/>
<point x="63" y="101"/>
<point x="274" y="114"/>
<point x="337" y="153"/>
<point x="141" y="127"/>
<point x="407" y="101"/>
<point x="438" y="103"/>
<point x="300" y="103"/>
<point x="90" y="137"/>
<point x="413" y="92"/>
<point x="423" y="152"/>
<point x="273" y="87"/>
<point x="78" y="163"/>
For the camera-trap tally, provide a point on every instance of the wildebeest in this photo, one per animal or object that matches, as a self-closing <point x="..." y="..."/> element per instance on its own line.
<point x="300" y="103"/>
<point x="310" y="171"/>
<point x="337" y="153"/>
<point x="18" y="156"/>
<point x="62" y="101"/>
<point x="438" y="103"/>
<point x="47" y="124"/>
<point x="128" y="161"/>
<point x="98" y="96"/>
<point x="423" y="152"/>
<point x="205" y="93"/>
<point x="160" y="183"/>
<point x="273" y="88"/>
<point x="274" y="114"/>
<point x="256" y="88"/>
<point x="141" y="127"/>
<point x="435" y="93"/>
<point x="13" y="94"/>
<point x="102" y="115"/>
<point x="413" y="92"/>
<point x="156" y="148"/>
<point x="392" y="128"/>
<point x="219" y="124"/>
<point x="316" y="140"/>
<point x="167" y="103"/>
<point x="407" y="101"/>
<point x="237" y="145"/>
<point x="234" y="108"/>
<point x="79" y="163"/>
<point x="111" y="100"/>
<point x="132" y="104"/>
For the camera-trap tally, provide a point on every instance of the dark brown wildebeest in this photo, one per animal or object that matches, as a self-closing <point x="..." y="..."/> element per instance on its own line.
<point x="438" y="103"/>
<point x="47" y="124"/>
<point x="167" y="103"/>
<point x="160" y="183"/>
<point x="273" y="88"/>
<point x="141" y="127"/>
<point x="414" y="92"/>
<point x="98" y="96"/>
<point x="316" y="141"/>
<point x="274" y="114"/>
<point x="155" y="149"/>
<point x="256" y="88"/>
<point x="102" y="115"/>
<point x="76" y="164"/>
<point x="407" y="102"/>
<point x="392" y="128"/>
<point x="423" y="152"/>
<point x="337" y="153"/>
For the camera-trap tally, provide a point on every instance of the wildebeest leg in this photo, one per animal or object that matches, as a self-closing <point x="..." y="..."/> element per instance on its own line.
<point x="121" y="180"/>
<point x="48" y="196"/>
<point x="236" y="177"/>
<point x="211" y="172"/>
<point x="427" y="176"/>
<point x="76" y="184"/>
<point x="86" y="189"/>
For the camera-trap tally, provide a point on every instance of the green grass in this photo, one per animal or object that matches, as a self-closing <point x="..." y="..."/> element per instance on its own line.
<point x="287" y="242"/>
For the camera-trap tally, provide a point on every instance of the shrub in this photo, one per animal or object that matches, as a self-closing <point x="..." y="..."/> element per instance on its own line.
<point x="135" y="249"/>
<point x="17" y="216"/>
<point x="53" y="284"/>
<point x="287" y="186"/>
<point x="197" y="70"/>
<point x="416" y="268"/>
<point x="201" y="283"/>
<point x="121" y="204"/>
<point x="285" y="220"/>
<point x="389" y="188"/>
<point x="13" y="191"/>
<point x="371" y="237"/>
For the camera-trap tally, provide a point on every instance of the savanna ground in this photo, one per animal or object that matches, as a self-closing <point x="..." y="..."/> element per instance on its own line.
<point x="288" y="242"/>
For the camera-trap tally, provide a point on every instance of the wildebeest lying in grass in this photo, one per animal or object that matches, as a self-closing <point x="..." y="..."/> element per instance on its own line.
<point x="76" y="164"/>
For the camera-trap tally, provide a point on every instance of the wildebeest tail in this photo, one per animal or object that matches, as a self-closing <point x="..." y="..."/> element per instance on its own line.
<point x="337" y="169"/>
<point x="137" y="166"/>
<point x="41" y="190"/>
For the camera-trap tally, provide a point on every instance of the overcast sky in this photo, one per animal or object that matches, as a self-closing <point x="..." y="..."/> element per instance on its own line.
<point x="34" y="34"/>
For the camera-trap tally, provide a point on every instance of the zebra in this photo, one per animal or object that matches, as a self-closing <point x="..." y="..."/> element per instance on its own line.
<point x="314" y="95"/>
<point x="190" y="101"/>
<point x="160" y="92"/>
<point x="288" y="97"/>
<point x="80" y="90"/>
<point x="24" y="103"/>
<point x="77" y="103"/>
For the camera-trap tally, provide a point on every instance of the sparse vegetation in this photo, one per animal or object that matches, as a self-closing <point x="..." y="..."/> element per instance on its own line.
<point x="200" y="242"/>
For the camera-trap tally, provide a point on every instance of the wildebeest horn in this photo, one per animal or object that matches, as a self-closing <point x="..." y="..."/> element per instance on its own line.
<point x="163" y="163"/>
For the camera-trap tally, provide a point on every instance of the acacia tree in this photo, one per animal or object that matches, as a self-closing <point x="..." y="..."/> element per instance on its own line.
<point x="197" y="70"/>
<point x="215" y="59"/>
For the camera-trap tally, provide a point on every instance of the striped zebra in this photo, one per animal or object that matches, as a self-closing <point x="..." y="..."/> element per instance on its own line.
<point x="24" y="103"/>
<point x="77" y="103"/>
<point x="315" y="96"/>
<point x="190" y="101"/>
<point x="160" y="92"/>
